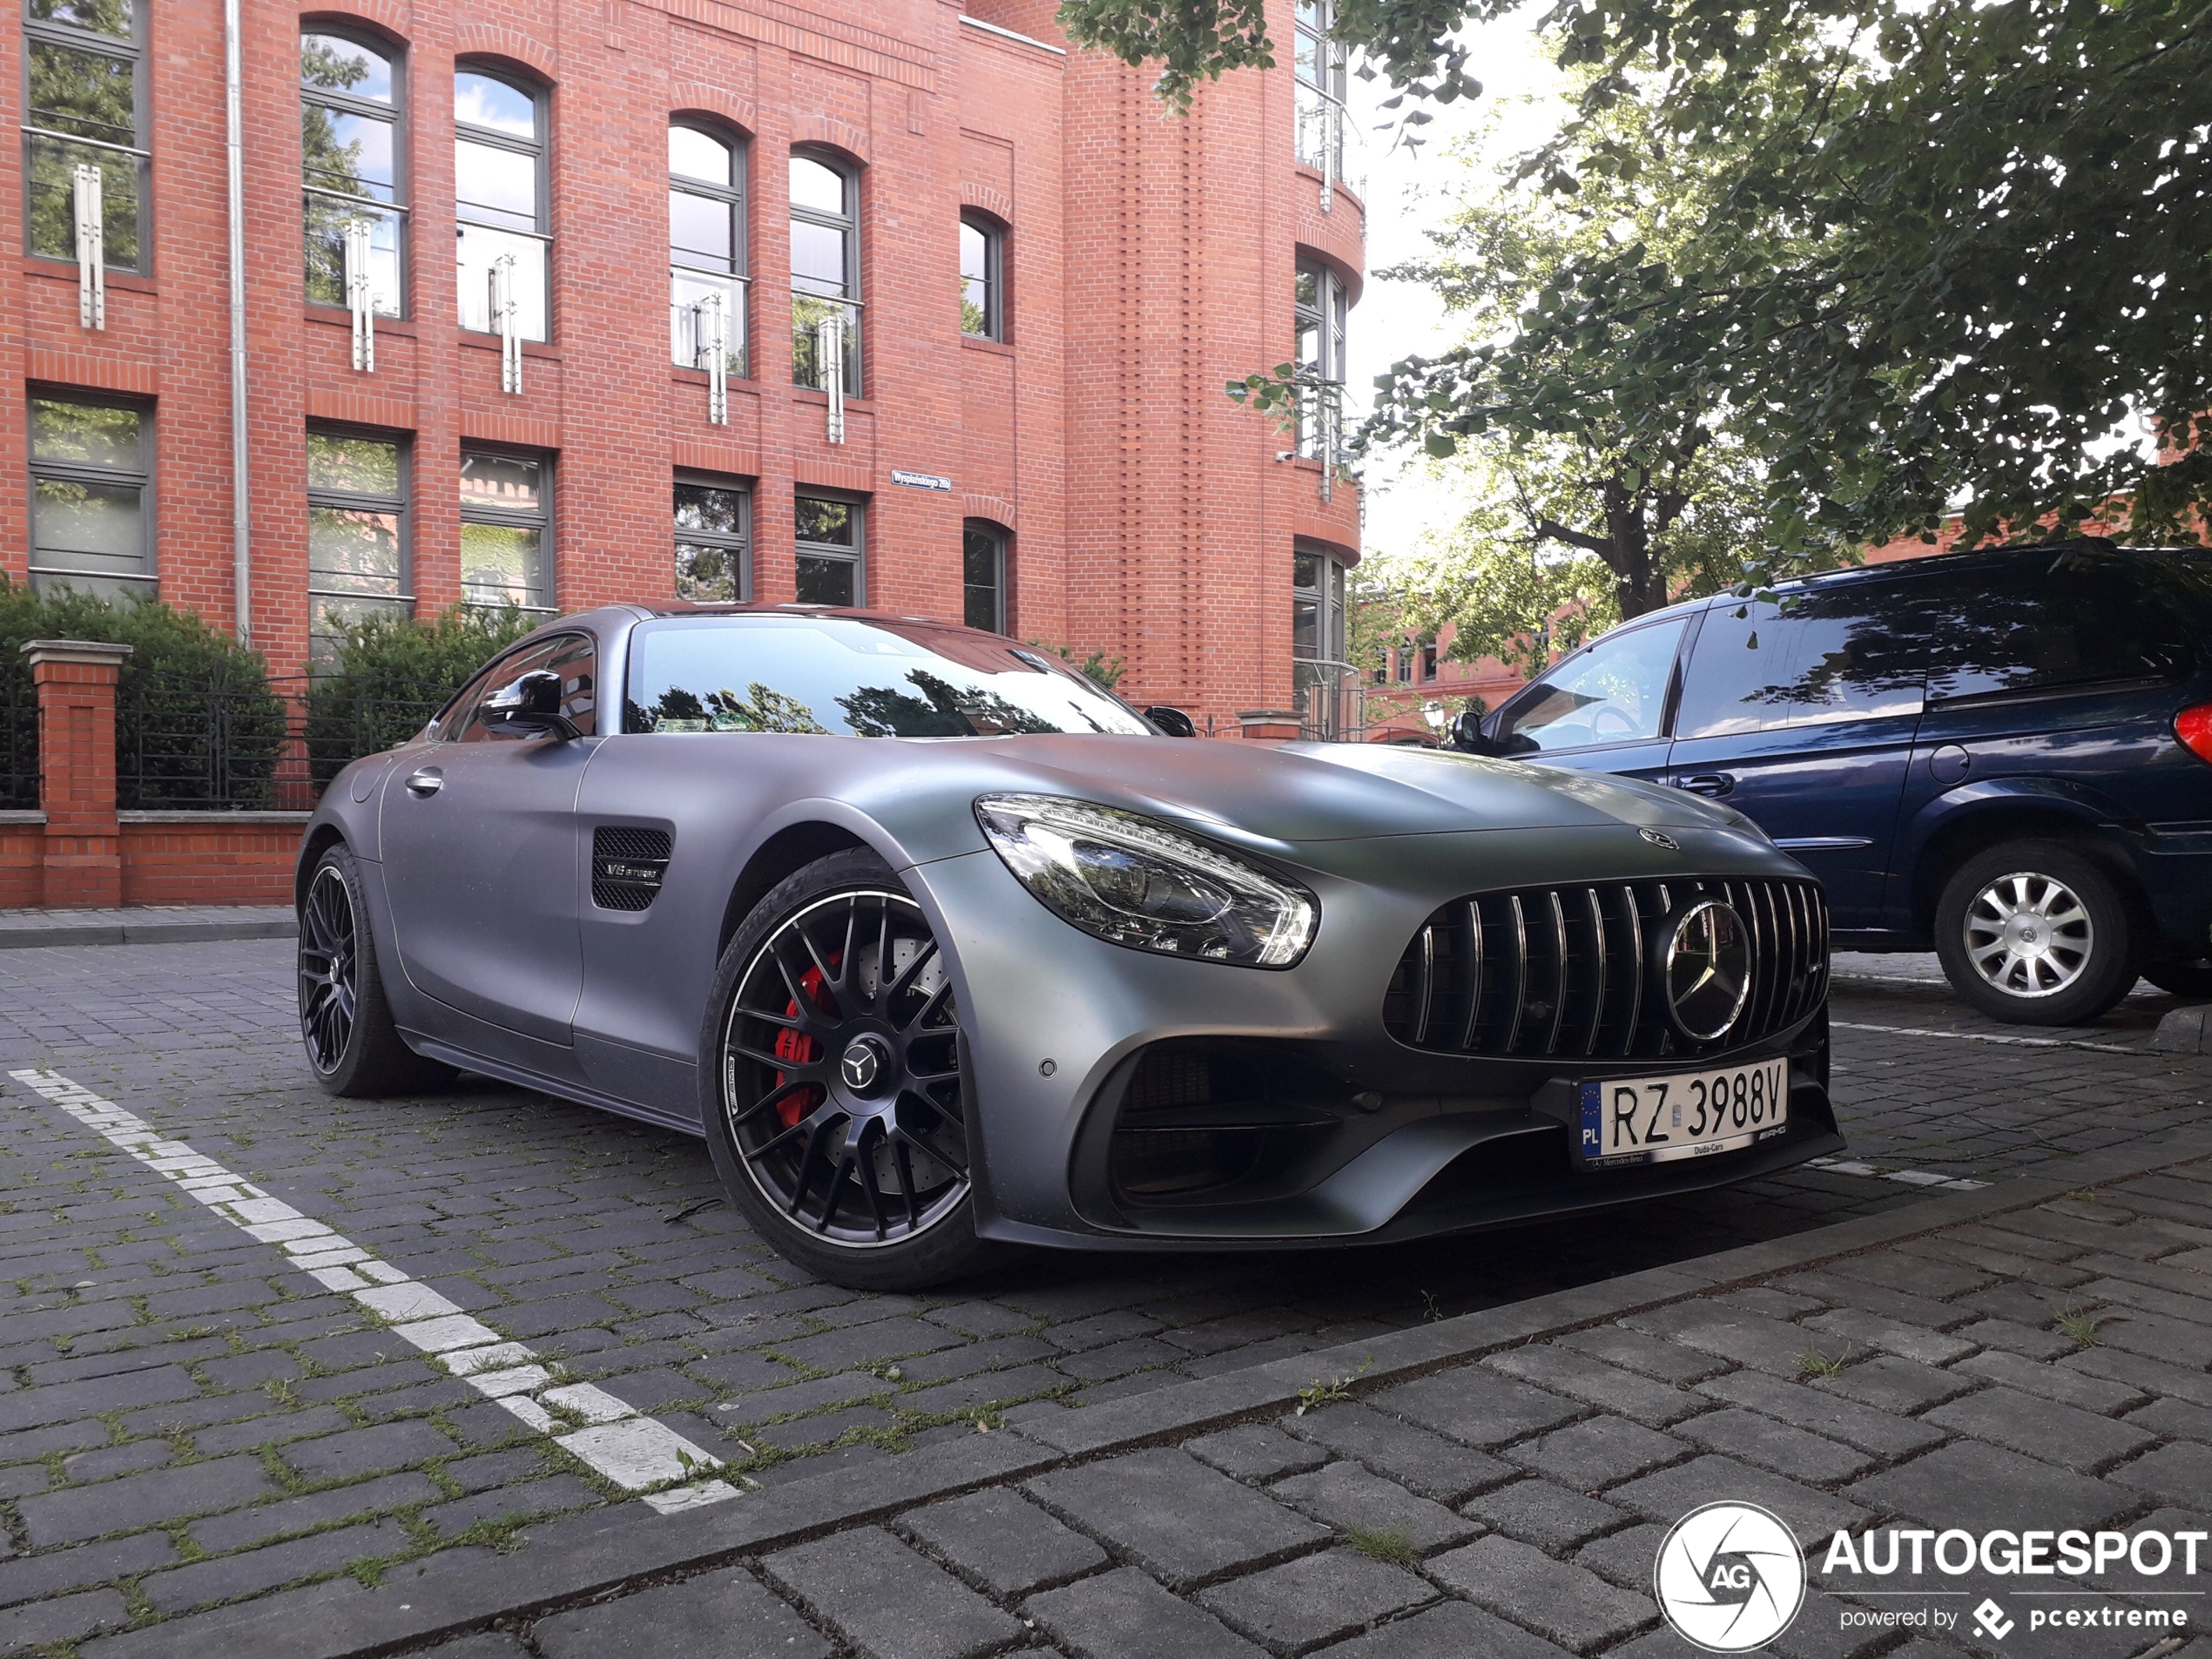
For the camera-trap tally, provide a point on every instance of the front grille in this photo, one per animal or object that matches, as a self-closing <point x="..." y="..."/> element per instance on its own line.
<point x="1572" y="972"/>
<point x="627" y="866"/>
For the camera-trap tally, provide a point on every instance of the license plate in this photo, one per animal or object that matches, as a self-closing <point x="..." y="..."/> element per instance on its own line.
<point x="1683" y="1114"/>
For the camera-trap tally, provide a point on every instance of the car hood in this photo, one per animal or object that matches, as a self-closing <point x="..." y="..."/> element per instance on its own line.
<point x="1305" y="792"/>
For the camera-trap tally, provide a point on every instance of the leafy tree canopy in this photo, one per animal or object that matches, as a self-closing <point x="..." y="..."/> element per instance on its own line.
<point x="1951" y="247"/>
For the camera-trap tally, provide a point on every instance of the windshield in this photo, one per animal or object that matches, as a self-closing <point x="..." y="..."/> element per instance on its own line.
<point x="842" y="678"/>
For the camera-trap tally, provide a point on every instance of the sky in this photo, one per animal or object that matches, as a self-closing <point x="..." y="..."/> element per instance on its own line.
<point x="1405" y="195"/>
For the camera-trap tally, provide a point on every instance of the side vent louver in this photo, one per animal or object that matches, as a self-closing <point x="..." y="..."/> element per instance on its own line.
<point x="627" y="866"/>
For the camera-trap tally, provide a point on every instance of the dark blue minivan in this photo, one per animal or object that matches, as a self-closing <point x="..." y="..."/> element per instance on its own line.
<point x="2004" y="755"/>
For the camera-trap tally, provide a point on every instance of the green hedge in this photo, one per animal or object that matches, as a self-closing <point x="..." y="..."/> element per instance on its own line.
<point x="195" y="721"/>
<point x="392" y="673"/>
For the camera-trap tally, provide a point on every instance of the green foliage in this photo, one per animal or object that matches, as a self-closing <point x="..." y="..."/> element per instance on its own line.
<point x="1946" y="249"/>
<point x="195" y="721"/>
<point x="1095" y="665"/>
<point x="392" y="673"/>
<point x="1385" y="1545"/>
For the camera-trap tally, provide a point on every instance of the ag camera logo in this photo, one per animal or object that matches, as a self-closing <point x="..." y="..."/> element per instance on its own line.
<point x="1730" y="1577"/>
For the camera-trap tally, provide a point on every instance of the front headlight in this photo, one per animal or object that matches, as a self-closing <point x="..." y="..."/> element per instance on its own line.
<point x="1131" y="881"/>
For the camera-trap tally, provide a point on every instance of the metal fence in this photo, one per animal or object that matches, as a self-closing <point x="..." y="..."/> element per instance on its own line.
<point x="191" y="745"/>
<point x="18" y="746"/>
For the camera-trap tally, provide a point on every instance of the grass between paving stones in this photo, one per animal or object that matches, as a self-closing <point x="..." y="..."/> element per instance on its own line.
<point x="1814" y="1363"/>
<point x="2081" y="1324"/>
<point x="1316" y="1394"/>
<point x="1386" y="1544"/>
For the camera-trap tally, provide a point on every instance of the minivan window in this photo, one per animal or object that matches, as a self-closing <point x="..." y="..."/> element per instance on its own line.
<point x="1853" y="652"/>
<point x="2079" y="619"/>
<point x="1613" y="691"/>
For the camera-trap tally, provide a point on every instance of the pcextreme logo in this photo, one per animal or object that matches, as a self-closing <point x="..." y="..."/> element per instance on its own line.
<point x="1730" y="1577"/>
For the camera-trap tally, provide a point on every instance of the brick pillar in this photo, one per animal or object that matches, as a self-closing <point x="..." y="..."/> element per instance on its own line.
<point x="1280" y="724"/>
<point x="75" y="681"/>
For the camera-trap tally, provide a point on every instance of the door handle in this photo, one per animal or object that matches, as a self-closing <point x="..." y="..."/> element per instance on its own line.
<point x="1714" y="784"/>
<point x="425" y="783"/>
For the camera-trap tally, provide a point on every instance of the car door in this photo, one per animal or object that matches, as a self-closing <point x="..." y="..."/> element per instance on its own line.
<point x="479" y="854"/>
<point x="1602" y="709"/>
<point x="1800" y="712"/>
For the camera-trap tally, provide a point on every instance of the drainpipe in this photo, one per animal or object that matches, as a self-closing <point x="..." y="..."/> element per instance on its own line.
<point x="242" y="497"/>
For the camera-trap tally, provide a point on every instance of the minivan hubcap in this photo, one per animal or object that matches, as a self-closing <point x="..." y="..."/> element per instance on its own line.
<point x="2029" y="936"/>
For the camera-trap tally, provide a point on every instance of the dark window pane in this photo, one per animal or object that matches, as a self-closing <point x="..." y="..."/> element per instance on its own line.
<point x="825" y="581"/>
<point x="701" y="231"/>
<point x="503" y="483"/>
<point x="830" y="522"/>
<point x="1733" y="672"/>
<point x="86" y="94"/>
<point x="706" y="574"/>
<point x="1305" y="570"/>
<point x="1308" y="293"/>
<point x="1612" y="692"/>
<point x="2077" y="619"/>
<point x="1855" y="653"/>
<point x="980" y="577"/>
<point x="86" y="435"/>
<point x="483" y="101"/>
<point x="341" y="65"/>
<point x="98" y="17"/>
<point x="357" y="466"/>
<point x="1305" y="622"/>
<point x="701" y="506"/>
<point x="693" y="154"/>
<point x="817" y="186"/>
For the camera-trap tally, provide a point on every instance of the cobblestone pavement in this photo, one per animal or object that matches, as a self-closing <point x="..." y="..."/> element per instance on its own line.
<point x="186" y="1418"/>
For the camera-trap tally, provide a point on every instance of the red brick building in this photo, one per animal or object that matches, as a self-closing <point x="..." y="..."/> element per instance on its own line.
<point x="668" y="220"/>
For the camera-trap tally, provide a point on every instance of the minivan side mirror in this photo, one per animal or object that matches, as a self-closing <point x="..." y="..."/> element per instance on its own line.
<point x="1172" y="721"/>
<point x="1468" y="736"/>
<point x="531" y="705"/>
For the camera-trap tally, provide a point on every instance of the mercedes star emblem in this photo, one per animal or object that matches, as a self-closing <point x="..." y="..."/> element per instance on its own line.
<point x="1660" y="837"/>
<point x="862" y="1064"/>
<point x="1708" y="970"/>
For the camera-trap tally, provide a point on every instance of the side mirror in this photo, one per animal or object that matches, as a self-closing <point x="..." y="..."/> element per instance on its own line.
<point x="531" y="705"/>
<point x="1468" y="735"/>
<point x="1172" y="721"/>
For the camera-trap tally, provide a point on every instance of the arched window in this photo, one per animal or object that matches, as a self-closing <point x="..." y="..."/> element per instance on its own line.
<point x="825" y="266"/>
<point x="983" y="262"/>
<point x="350" y="110"/>
<point x="499" y="189"/>
<point x="706" y="247"/>
<point x="983" y="574"/>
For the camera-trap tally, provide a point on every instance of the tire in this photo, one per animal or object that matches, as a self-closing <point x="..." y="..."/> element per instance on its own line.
<point x="2033" y="932"/>
<point x="2191" y="980"/>
<point x="352" y="1047"/>
<point x="836" y="1102"/>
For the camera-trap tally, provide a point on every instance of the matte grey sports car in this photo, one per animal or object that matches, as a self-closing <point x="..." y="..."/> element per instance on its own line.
<point x="942" y="947"/>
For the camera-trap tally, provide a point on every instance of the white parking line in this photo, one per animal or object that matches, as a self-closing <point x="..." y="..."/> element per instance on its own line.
<point x="1910" y="1178"/>
<point x="633" y="1451"/>
<point x="1986" y="1036"/>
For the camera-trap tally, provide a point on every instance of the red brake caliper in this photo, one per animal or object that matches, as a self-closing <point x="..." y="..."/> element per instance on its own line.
<point x="797" y="1048"/>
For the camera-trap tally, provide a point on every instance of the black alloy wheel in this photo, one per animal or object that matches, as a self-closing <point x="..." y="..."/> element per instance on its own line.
<point x="345" y="1023"/>
<point x="844" y="1082"/>
<point x="329" y="969"/>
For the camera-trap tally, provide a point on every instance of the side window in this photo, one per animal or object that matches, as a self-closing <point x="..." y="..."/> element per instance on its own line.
<point x="1613" y="691"/>
<point x="1737" y="661"/>
<point x="2079" y="620"/>
<point x="1856" y="652"/>
<point x="572" y="656"/>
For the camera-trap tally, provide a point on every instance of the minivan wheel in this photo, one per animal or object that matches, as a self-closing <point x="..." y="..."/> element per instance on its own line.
<point x="833" y="1085"/>
<point x="2034" y="934"/>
